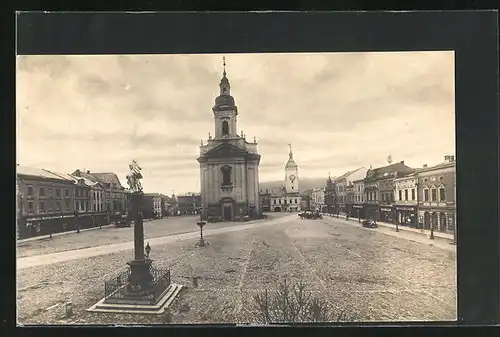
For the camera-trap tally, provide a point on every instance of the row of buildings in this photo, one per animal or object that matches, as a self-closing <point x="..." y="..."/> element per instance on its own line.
<point x="396" y="193"/>
<point x="50" y="202"/>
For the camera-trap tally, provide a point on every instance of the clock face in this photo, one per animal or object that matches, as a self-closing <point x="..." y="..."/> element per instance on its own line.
<point x="292" y="178"/>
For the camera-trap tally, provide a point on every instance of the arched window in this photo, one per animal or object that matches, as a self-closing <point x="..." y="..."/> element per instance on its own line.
<point x="225" y="128"/>
<point x="442" y="193"/>
<point x="226" y="175"/>
<point x="433" y="194"/>
<point x="426" y="194"/>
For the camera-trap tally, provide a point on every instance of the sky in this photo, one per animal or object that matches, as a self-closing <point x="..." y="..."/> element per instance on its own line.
<point x="340" y="111"/>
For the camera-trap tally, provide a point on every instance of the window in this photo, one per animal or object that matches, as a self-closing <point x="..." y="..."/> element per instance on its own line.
<point x="58" y="206"/>
<point x="441" y="179"/>
<point x="42" y="206"/>
<point x="67" y="205"/>
<point x="406" y="194"/>
<point x="42" y="191"/>
<point x="225" y="128"/>
<point x="426" y="195"/>
<point x="50" y="191"/>
<point x="295" y="200"/>
<point x="292" y="187"/>
<point x="412" y="194"/>
<point x="226" y="175"/>
<point x="442" y="194"/>
<point x="280" y="201"/>
<point x="58" y="192"/>
<point x="433" y="194"/>
<point x="66" y="193"/>
<point x="30" y="206"/>
<point x="30" y="190"/>
<point x="400" y="195"/>
<point x="224" y="90"/>
<point x="274" y="201"/>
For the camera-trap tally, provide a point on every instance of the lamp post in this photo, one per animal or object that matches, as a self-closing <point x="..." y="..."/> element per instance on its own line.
<point x="201" y="242"/>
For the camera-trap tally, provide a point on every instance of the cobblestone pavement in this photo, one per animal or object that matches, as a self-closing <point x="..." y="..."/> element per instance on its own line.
<point x="379" y="277"/>
<point x="112" y="235"/>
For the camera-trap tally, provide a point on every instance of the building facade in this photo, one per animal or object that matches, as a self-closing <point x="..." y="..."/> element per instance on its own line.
<point x="229" y="164"/>
<point x="379" y="191"/>
<point x="342" y="184"/>
<point x="436" y="196"/>
<point x="318" y="199"/>
<point x="406" y="200"/>
<point x="359" y="198"/>
<point x="265" y="200"/>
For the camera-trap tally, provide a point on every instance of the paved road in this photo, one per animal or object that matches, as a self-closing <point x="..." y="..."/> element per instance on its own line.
<point x="111" y="235"/>
<point x="380" y="276"/>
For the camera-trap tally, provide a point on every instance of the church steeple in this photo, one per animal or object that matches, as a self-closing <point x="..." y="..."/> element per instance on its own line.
<point x="225" y="87"/>
<point x="290" y="155"/>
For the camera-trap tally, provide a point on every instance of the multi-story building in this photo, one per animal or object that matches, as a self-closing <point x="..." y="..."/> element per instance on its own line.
<point x="346" y="180"/>
<point x="115" y="197"/>
<point x="349" y="202"/>
<point x="318" y="199"/>
<point x="331" y="198"/>
<point x="157" y="205"/>
<point x="189" y="203"/>
<point x="436" y="195"/>
<point x="45" y="202"/>
<point x="359" y="198"/>
<point x="406" y="199"/>
<point x="379" y="191"/>
<point x="265" y="200"/>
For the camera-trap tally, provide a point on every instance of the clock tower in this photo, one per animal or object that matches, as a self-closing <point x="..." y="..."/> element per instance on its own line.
<point x="291" y="174"/>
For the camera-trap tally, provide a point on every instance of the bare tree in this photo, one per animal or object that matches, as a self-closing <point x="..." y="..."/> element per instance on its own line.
<point x="389" y="159"/>
<point x="294" y="304"/>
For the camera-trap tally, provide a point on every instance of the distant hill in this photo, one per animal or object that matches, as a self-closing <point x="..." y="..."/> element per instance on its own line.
<point x="304" y="184"/>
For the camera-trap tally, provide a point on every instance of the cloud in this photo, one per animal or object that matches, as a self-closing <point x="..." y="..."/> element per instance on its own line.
<point x="340" y="111"/>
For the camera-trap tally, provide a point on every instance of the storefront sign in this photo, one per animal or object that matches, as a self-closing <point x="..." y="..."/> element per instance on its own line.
<point x="411" y="209"/>
<point x="383" y="209"/>
<point x="357" y="206"/>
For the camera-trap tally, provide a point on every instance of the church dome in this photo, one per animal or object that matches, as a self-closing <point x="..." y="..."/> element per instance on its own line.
<point x="224" y="100"/>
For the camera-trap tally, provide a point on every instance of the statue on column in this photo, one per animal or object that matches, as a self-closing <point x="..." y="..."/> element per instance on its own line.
<point x="134" y="176"/>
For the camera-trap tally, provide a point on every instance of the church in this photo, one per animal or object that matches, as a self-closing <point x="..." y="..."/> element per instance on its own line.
<point x="229" y="164"/>
<point x="288" y="197"/>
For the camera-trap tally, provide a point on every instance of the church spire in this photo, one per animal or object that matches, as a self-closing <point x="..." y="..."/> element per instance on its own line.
<point x="291" y="153"/>
<point x="224" y="82"/>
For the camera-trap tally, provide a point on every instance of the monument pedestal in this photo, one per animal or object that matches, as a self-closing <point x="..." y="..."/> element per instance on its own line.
<point x="140" y="280"/>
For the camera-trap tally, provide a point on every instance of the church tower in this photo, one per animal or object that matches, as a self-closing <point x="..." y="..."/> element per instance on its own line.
<point x="229" y="164"/>
<point x="291" y="174"/>
<point x="225" y="111"/>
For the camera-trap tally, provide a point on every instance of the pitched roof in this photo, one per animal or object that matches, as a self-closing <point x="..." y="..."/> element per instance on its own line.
<point x="106" y="177"/>
<point x="380" y="172"/>
<point x="39" y="173"/>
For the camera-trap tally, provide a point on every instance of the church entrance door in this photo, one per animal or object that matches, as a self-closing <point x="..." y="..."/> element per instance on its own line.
<point x="228" y="213"/>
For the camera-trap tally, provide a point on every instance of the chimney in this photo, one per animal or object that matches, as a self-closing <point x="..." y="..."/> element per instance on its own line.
<point x="402" y="162"/>
<point x="78" y="173"/>
<point x="88" y="171"/>
<point x="452" y="159"/>
<point x="424" y="166"/>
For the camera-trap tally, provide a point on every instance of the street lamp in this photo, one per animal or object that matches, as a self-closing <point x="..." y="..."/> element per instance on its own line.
<point x="201" y="242"/>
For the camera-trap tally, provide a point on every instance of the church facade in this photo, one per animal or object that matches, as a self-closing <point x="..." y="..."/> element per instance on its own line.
<point x="229" y="164"/>
<point x="288" y="197"/>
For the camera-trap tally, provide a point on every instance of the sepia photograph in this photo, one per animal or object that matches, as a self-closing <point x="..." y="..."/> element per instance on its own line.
<point x="249" y="188"/>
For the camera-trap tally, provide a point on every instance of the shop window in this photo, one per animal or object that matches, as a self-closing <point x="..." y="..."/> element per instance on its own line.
<point x="406" y="194"/>
<point x="433" y="194"/>
<point x="30" y="190"/>
<point x="426" y="195"/>
<point x="442" y="194"/>
<point x="225" y="128"/>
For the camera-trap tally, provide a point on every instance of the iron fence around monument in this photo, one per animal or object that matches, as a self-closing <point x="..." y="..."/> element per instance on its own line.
<point x="115" y="288"/>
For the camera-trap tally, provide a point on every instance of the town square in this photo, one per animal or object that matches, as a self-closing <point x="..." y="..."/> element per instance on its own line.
<point x="160" y="211"/>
